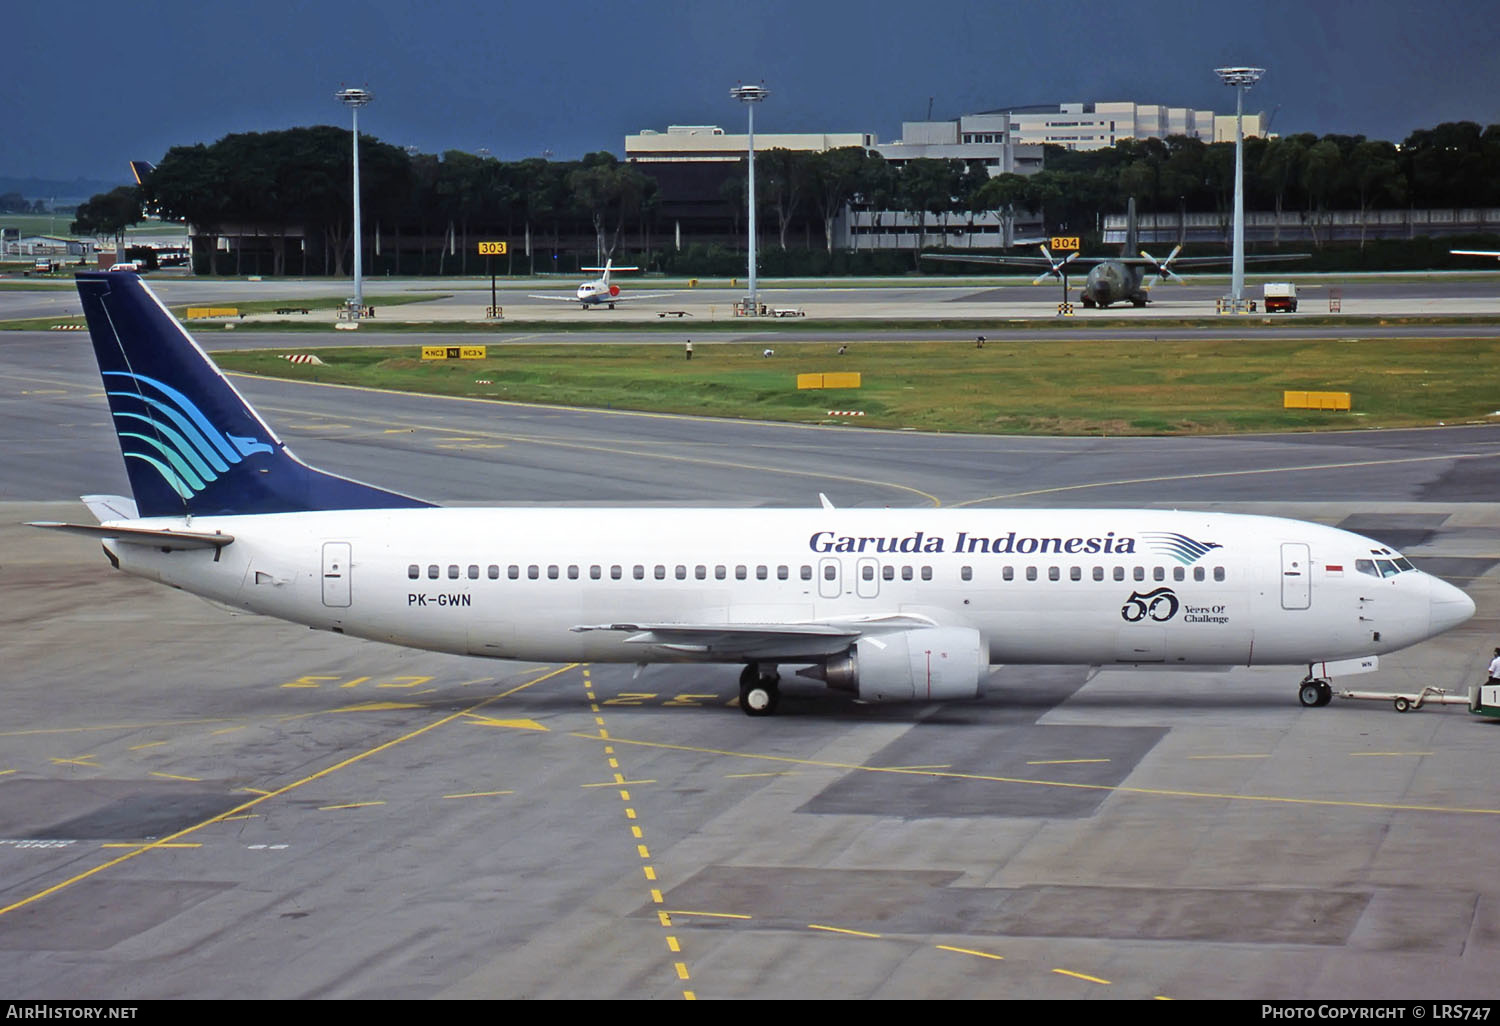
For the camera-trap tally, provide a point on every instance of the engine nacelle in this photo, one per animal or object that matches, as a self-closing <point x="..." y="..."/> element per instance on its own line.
<point x="929" y="664"/>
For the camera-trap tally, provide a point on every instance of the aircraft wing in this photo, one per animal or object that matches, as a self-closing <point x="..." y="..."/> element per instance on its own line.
<point x="1211" y="261"/>
<point x="630" y="297"/>
<point x="1082" y="263"/>
<point x="720" y="642"/>
<point x="558" y="299"/>
<point x="1476" y="252"/>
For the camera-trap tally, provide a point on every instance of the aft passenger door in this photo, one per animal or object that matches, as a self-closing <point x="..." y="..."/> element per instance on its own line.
<point x="336" y="558"/>
<point x="1296" y="576"/>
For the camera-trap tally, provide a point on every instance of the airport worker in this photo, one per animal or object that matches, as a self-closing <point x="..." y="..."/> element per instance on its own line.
<point x="688" y="351"/>
<point x="1495" y="668"/>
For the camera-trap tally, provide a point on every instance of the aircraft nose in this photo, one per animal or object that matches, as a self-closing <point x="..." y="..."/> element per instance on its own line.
<point x="1448" y="606"/>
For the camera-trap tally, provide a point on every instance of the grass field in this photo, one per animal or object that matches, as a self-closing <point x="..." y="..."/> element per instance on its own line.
<point x="1053" y="387"/>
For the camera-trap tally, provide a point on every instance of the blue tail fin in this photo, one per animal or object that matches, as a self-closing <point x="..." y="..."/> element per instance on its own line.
<point x="191" y="443"/>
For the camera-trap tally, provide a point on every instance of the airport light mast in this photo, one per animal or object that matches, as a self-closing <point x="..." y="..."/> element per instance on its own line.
<point x="355" y="99"/>
<point x="1241" y="79"/>
<point x="750" y="95"/>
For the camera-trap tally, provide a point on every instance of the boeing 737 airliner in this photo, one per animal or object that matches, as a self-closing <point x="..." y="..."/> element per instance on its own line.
<point x="884" y="604"/>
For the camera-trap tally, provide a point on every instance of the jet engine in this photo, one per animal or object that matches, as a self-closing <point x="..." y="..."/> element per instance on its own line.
<point x="928" y="664"/>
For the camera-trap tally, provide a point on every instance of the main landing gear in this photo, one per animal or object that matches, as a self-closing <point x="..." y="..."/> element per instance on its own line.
<point x="1314" y="691"/>
<point x="759" y="689"/>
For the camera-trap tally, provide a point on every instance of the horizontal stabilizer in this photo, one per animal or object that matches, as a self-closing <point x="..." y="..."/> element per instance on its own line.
<point x="158" y="538"/>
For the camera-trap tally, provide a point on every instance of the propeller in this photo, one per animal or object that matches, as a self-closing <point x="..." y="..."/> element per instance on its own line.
<point x="1162" y="270"/>
<point x="1055" y="270"/>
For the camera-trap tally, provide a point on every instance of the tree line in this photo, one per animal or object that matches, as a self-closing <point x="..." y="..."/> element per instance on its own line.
<point x="434" y="207"/>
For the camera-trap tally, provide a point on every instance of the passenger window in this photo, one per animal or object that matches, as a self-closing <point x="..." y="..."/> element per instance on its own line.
<point x="494" y="572"/>
<point x="888" y="573"/>
<point x="551" y="571"/>
<point x="761" y="573"/>
<point x="1197" y="573"/>
<point x="533" y="571"/>
<point x="432" y="571"/>
<point x="1053" y="573"/>
<point x="927" y="573"/>
<point x="681" y="572"/>
<point x="473" y="572"/>
<point x="906" y="573"/>
<point x="513" y="571"/>
<point x="782" y="573"/>
<point x="1098" y="573"/>
<point x="616" y="571"/>
<point x="1076" y="573"/>
<point x="1139" y="573"/>
<point x="1119" y="573"/>
<point x="452" y="571"/>
<point x="867" y="572"/>
<point x="660" y="572"/>
<point x="1031" y="573"/>
<point x="829" y="572"/>
<point x="806" y="572"/>
<point x="966" y="573"/>
<point x="572" y="571"/>
<point x="700" y="572"/>
<point x="595" y="572"/>
<point x="638" y="572"/>
<point x="739" y="572"/>
<point x="1158" y="573"/>
<point x="1179" y="573"/>
<point x="414" y="571"/>
<point x="1218" y="573"/>
<point x="719" y="573"/>
<point x="1008" y="573"/>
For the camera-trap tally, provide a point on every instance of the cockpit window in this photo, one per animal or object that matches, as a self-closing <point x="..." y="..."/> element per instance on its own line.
<point x="1404" y="563"/>
<point x="1387" y="568"/>
<point x="1366" y="566"/>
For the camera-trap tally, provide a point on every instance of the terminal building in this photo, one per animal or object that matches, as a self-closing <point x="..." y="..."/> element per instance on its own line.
<point x="694" y="164"/>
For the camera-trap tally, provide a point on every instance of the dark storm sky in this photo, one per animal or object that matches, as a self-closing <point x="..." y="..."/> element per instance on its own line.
<point x="94" y="84"/>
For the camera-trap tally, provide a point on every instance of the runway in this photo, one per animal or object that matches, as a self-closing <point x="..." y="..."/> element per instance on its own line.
<point x="204" y="805"/>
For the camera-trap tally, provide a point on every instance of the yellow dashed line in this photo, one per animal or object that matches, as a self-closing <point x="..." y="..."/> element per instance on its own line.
<point x="1061" y="762"/>
<point x="1390" y="753"/>
<point x="970" y="951"/>
<point x="173" y="776"/>
<point x="148" y="744"/>
<point x="350" y="805"/>
<point x="835" y="929"/>
<point x="1265" y="755"/>
<point x="708" y="915"/>
<point x="478" y="794"/>
<point x="1080" y="976"/>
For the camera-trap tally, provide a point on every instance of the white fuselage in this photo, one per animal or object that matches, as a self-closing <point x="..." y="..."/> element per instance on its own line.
<point x="1040" y="586"/>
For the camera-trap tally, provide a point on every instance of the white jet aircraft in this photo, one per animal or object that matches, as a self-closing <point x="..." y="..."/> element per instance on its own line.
<point x="905" y="604"/>
<point x="602" y="291"/>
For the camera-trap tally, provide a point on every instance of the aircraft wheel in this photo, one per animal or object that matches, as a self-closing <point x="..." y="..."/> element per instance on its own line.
<point x="1309" y="694"/>
<point x="760" y="698"/>
<point x="1402" y="704"/>
<point x="759" y="693"/>
<point x="1325" y="692"/>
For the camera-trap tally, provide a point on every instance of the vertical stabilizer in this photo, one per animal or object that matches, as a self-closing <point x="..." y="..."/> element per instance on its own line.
<point x="1132" y="245"/>
<point x="191" y="443"/>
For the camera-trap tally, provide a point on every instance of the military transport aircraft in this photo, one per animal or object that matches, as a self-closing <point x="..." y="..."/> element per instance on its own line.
<point x="1111" y="279"/>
